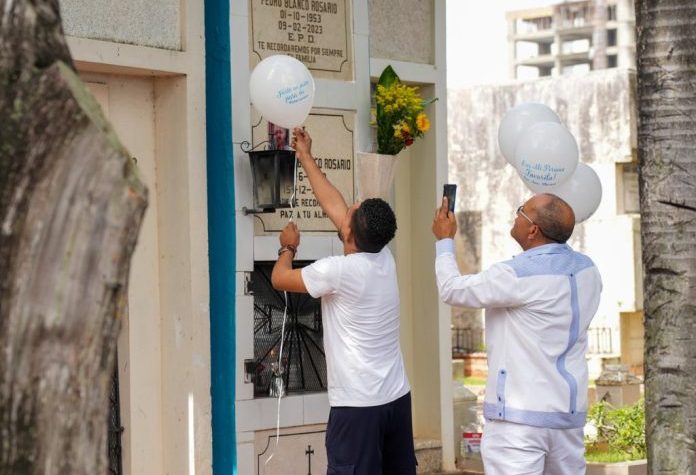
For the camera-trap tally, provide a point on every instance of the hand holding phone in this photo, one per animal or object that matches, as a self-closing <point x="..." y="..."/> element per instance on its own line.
<point x="449" y="191"/>
<point x="445" y="224"/>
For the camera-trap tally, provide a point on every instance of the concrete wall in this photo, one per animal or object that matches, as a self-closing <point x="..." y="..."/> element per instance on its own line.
<point x="632" y="341"/>
<point x="415" y="191"/>
<point x="155" y="23"/>
<point x="128" y="103"/>
<point x="403" y="30"/>
<point x="468" y="247"/>
<point x="598" y="108"/>
<point x="155" y="99"/>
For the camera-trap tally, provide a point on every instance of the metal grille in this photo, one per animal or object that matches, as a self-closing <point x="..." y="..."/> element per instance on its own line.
<point x="115" y="428"/>
<point x="600" y="340"/>
<point x="466" y="341"/>
<point x="461" y="342"/>
<point x="303" y="359"/>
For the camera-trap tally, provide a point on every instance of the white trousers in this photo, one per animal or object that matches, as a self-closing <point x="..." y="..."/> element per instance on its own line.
<point x="516" y="449"/>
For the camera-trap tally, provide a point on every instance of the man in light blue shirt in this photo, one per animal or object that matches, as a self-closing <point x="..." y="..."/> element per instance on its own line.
<point x="538" y="308"/>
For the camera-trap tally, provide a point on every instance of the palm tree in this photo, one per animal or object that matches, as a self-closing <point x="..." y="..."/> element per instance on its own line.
<point x="666" y="52"/>
<point x="70" y="211"/>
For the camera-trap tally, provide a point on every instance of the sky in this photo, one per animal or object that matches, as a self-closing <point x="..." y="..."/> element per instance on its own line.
<point x="477" y="51"/>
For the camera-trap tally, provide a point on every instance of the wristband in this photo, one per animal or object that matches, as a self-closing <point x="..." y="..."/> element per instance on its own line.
<point x="288" y="247"/>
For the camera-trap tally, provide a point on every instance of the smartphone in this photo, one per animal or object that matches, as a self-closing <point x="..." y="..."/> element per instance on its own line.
<point x="450" y="192"/>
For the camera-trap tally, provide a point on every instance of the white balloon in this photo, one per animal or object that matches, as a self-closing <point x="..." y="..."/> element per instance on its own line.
<point x="516" y="121"/>
<point x="546" y="155"/>
<point x="282" y="89"/>
<point x="582" y="191"/>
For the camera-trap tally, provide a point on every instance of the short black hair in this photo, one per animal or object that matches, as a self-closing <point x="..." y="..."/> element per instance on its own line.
<point x="373" y="225"/>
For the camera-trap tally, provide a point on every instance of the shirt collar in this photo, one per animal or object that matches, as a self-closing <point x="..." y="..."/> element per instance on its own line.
<point x="552" y="248"/>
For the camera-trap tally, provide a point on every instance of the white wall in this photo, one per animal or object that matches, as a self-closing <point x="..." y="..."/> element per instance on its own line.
<point x="156" y="100"/>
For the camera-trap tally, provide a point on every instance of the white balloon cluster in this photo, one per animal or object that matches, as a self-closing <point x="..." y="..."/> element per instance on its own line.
<point x="545" y="155"/>
<point x="282" y="90"/>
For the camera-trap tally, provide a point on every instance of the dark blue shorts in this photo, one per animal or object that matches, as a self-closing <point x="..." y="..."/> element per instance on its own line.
<point x="374" y="440"/>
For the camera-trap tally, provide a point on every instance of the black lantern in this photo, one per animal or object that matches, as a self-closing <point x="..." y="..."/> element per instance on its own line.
<point x="273" y="178"/>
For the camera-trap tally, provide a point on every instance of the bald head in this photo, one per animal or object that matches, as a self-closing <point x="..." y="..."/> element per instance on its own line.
<point x="553" y="215"/>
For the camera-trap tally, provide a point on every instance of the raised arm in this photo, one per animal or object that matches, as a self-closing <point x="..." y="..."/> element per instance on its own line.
<point x="495" y="287"/>
<point x="330" y="199"/>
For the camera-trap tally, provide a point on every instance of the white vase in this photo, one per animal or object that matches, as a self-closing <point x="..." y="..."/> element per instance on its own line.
<point x="374" y="175"/>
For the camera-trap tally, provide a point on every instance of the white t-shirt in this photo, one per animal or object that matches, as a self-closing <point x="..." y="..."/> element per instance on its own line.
<point x="360" y="312"/>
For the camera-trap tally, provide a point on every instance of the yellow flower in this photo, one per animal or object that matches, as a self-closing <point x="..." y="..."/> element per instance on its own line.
<point x="400" y="117"/>
<point x="400" y="129"/>
<point x="422" y="122"/>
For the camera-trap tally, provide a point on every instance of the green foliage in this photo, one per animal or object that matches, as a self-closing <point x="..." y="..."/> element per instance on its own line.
<point x="594" y="454"/>
<point x="388" y="77"/>
<point x="399" y="115"/>
<point x="474" y="381"/>
<point x="620" y="430"/>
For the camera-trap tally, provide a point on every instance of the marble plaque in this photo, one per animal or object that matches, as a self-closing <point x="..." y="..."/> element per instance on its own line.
<point x="316" y="32"/>
<point x="332" y="148"/>
<point x="298" y="451"/>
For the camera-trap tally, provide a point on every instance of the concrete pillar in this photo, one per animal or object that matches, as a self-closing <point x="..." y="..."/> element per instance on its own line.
<point x="512" y="50"/>
<point x="626" y="34"/>
<point x="599" y="35"/>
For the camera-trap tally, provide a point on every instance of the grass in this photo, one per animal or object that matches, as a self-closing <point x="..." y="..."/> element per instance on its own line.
<point x="605" y="456"/>
<point x="473" y="381"/>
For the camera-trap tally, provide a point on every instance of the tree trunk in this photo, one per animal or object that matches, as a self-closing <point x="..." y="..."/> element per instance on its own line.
<point x="70" y="211"/>
<point x="667" y="151"/>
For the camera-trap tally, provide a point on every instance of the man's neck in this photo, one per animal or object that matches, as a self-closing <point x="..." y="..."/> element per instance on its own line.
<point x="537" y="244"/>
<point x="348" y="249"/>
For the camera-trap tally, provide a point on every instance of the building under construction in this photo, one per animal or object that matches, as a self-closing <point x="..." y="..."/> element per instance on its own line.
<point x="571" y="37"/>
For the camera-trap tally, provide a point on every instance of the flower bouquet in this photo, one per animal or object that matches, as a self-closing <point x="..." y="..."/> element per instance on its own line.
<point x="399" y="114"/>
<point x="400" y="120"/>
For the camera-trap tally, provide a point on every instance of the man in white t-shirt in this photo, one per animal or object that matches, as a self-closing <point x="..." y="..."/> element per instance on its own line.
<point x="369" y="430"/>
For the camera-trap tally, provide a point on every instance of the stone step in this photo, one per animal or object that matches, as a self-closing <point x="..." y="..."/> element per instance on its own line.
<point x="470" y="465"/>
<point x="428" y="454"/>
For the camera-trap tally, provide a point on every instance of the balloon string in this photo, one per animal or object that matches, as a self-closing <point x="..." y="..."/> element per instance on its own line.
<point x="282" y="387"/>
<point x="282" y="331"/>
<point x="294" y="190"/>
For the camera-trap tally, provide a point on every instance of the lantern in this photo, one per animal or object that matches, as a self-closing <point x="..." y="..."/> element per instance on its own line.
<point x="273" y="179"/>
